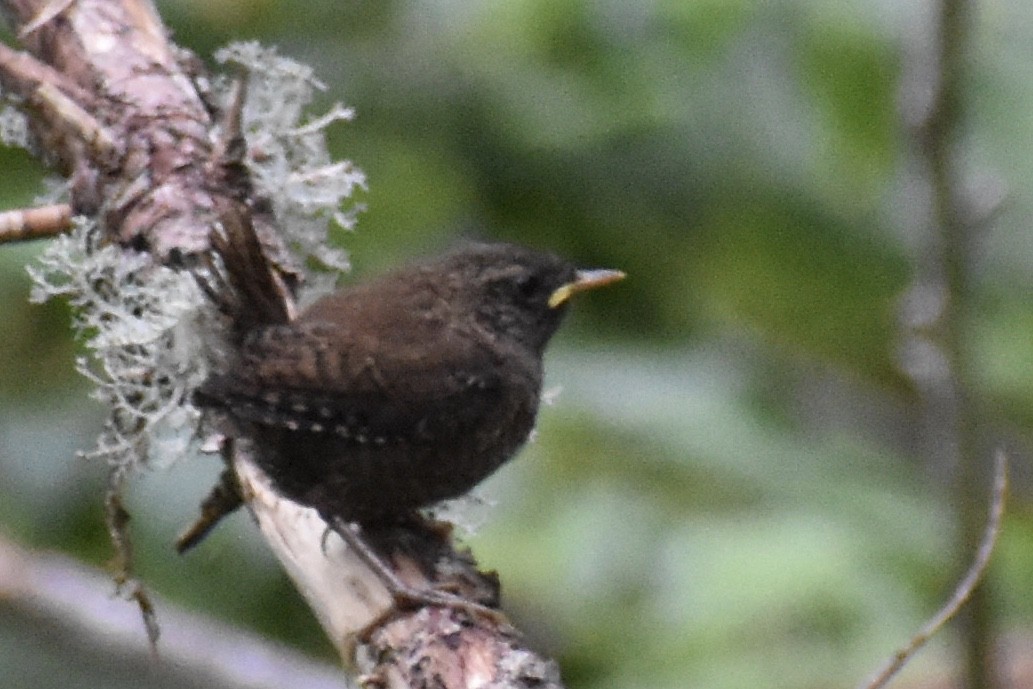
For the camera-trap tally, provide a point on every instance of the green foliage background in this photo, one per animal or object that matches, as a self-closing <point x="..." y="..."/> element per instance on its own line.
<point x="734" y="488"/>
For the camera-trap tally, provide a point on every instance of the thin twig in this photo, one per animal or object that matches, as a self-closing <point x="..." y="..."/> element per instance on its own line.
<point x="26" y="224"/>
<point x="46" y="15"/>
<point x="22" y="73"/>
<point x="76" y="119"/>
<point x="964" y="589"/>
<point x="126" y="583"/>
<point x="229" y="147"/>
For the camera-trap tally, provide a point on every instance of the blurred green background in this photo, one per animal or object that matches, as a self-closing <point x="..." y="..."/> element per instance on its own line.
<point x="739" y="484"/>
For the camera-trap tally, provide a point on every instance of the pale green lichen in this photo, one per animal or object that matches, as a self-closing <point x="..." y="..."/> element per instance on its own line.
<point x="138" y="322"/>
<point x="287" y="156"/>
<point x="14" y="128"/>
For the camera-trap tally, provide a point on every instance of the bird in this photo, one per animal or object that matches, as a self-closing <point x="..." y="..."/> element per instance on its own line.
<point x="392" y="395"/>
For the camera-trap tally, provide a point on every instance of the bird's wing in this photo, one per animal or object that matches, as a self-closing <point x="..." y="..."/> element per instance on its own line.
<point x="370" y="387"/>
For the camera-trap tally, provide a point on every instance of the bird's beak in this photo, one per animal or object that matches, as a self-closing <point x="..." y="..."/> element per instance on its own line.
<point x="584" y="280"/>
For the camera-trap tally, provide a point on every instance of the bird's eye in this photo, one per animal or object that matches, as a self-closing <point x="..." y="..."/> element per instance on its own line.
<point x="528" y="285"/>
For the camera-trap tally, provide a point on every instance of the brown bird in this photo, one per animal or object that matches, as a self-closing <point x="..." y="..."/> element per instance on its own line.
<point x="392" y="395"/>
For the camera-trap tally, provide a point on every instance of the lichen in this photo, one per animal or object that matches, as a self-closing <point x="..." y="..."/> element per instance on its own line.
<point x="287" y="156"/>
<point x="138" y="323"/>
<point x="14" y="127"/>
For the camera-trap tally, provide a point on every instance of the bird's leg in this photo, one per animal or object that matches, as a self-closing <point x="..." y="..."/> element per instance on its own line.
<point x="405" y="596"/>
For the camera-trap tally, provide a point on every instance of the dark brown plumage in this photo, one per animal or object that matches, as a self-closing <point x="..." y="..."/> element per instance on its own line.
<point x="394" y="394"/>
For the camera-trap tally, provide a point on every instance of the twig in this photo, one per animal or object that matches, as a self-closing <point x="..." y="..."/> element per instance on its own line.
<point x="65" y="111"/>
<point x="47" y="14"/>
<point x="223" y="500"/>
<point x="27" y="224"/>
<point x="22" y="74"/>
<point x="964" y="589"/>
<point x="229" y="147"/>
<point x="126" y="583"/>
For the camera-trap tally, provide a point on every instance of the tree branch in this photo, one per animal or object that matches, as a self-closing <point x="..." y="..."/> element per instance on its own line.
<point x="123" y="116"/>
<point x="76" y="600"/>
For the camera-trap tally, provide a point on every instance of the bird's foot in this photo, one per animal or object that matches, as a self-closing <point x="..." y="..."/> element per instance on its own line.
<point x="404" y="596"/>
<point x="408" y="598"/>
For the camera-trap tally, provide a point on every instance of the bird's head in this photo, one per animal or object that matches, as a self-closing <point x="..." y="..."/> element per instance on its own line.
<point x="517" y="292"/>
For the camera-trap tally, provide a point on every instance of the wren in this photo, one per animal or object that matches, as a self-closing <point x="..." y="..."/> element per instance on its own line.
<point x="392" y="395"/>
